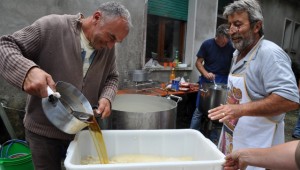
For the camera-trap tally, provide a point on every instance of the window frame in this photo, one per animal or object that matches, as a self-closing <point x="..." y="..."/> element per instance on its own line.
<point x="191" y="41"/>
<point x="161" y="40"/>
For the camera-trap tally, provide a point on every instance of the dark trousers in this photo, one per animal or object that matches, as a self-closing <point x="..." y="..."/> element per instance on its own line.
<point x="47" y="153"/>
<point x="197" y="115"/>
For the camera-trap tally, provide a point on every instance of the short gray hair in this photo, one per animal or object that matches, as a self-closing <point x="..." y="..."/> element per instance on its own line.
<point x="251" y="6"/>
<point x="222" y="30"/>
<point x="114" y="9"/>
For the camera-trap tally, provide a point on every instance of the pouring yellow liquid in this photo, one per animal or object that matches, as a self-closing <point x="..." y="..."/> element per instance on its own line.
<point x="97" y="137"/>
<point x="100" y="146"/>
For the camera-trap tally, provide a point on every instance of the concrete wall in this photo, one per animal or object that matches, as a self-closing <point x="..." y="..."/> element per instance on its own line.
<point x="275" y="13"/>
<point x="16" y="14"/>
<point x="205" y="28"/>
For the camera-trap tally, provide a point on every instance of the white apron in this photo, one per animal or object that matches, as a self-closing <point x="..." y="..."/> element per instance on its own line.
<point x="237" y="94"/>
<point x="248" y="131"/>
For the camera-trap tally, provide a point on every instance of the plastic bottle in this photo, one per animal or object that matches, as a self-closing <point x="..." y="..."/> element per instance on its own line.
<point x="176" y="60"/>
<point x="172" y="75"/>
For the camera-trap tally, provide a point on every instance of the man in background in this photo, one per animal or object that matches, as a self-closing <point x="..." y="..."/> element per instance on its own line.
<point x="213" y="62"/>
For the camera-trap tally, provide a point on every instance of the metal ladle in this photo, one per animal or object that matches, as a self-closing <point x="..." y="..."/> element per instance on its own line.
<point x="216" y="86"/>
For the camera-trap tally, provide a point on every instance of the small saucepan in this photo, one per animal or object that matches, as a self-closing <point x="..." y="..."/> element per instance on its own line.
<point x="71" y="111"/>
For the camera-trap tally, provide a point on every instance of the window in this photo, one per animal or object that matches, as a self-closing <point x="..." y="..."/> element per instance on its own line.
<point x="296" y="38"/>
<point x="164" y="37"/>
<point x="221" y="6"/>
<point x="287" y="35"/>
<point x="290" y="39"/>
<point x="166" y="29"/>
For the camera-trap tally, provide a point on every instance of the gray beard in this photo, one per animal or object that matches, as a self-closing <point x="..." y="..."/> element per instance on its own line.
<point x="242" y="45"/>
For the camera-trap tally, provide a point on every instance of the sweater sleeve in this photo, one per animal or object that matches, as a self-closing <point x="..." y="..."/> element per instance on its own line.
<point x="111" y="84"/>
<point x="17" y="52"/>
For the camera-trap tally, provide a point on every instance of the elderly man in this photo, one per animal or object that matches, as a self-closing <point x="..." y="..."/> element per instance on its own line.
<point x="71" y="48"/>
<point x="261" y="84"/>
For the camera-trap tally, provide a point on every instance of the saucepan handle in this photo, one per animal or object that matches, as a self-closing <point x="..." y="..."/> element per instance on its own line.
<point x="53" y="96"/>
<point x="51" y="92"/>
<point x="201" y="89"/>
<point x="95" y="107"/>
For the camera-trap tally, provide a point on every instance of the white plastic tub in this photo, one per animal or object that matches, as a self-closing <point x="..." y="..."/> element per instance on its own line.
<point x="171" y="143"/>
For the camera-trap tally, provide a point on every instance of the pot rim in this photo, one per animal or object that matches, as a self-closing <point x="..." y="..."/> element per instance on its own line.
<point x="158" y="99"/>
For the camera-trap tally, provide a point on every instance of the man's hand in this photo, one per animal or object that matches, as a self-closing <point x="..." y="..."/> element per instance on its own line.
<point x="235" y="161"/>
<point x="210" y="76"/>
<point x="225" y="112"/>
<point x="199" y="64"/>
<point x="36" y="82"/>
<point x="104" y="108"/>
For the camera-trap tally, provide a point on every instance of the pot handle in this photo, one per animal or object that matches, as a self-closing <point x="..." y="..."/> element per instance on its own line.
<point x="94" y="107"/>
<point x="53" y="96"/>
<point x="202" y="90"/>
<point x="173" y="96"/>
<point x="51" y="92"/>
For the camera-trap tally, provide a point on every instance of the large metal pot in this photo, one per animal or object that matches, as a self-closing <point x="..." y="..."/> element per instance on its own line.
<point x="65" y="112"/>
<point x="139" y="75"/>
<point x="212" y="95"/>
<point x="134" y="111"/>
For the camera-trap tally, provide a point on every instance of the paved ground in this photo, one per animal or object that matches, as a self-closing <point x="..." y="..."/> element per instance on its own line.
<point x="290" y="122"/>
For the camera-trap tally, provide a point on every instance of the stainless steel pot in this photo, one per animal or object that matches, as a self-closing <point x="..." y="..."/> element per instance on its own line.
<point x="139" y="75"/>
<point x="134" y="111"/>
<point x="212" y="95"/>
<point x="65" y="112"/>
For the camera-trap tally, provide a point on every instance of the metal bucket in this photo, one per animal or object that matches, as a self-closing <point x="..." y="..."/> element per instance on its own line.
<point x="139" y="75"/>
<point x="134" y="111"/>
<point x="212" y="95"/>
